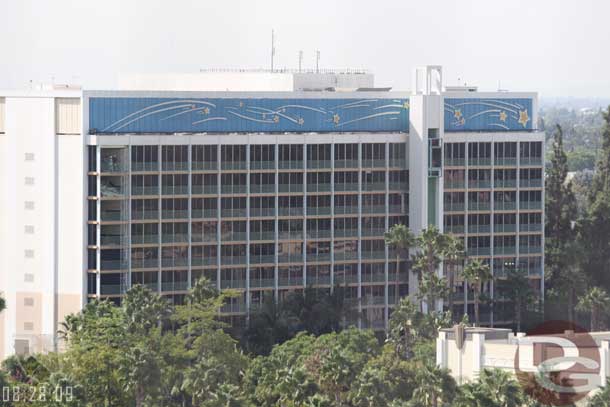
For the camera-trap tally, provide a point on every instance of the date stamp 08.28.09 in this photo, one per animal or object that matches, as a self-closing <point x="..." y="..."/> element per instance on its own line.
<point x="32" y="394"/>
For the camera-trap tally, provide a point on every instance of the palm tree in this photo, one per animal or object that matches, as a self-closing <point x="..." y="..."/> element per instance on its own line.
<point x="476" y="273"/>
<point x="434" y="385"/>
<point x="454" y="253"/>
<point x="516" y="288"/>
<point x="602" y="398"/>
<point x="597" y="302"/>
<point x="401" y="239"/>
<point x="494" y="387"/>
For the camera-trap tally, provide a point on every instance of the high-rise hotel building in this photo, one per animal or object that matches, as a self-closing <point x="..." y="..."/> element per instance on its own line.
<point x="265" y="192"/>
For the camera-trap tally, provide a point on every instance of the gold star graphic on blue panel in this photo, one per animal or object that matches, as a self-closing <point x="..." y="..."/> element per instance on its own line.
<point x="523" y="117"/>
<point x="503" y="116"/>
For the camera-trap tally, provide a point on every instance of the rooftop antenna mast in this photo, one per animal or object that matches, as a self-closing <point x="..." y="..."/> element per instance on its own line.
<point x="272" y="48"/>
<point x="318" y="61"/>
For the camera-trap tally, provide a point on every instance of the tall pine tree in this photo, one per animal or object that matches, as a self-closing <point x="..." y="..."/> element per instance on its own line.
<point x="596" y="227"/>
<point x="561" y="210"/>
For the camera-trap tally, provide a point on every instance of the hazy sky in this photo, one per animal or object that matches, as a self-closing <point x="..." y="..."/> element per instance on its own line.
<point x="556" y="47"/>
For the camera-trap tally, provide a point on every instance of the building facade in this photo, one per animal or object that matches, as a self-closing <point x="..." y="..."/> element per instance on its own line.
<point x="263" y="192"/>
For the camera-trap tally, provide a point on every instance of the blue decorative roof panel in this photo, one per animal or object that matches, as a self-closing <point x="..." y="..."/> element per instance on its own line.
<point x="488" y="114"/>
<point x="222" y="115"/>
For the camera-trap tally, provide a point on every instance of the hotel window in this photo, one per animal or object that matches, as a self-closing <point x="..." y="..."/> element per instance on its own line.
<point x="29" y="156"/>
<point x="29" y="253"/>
<point x="29" y="180"/>
<point x="28" y="277"/>
<point x="204" y="157"/>
<point x="175" y="158"/>
<point x="28" y="229"/>
<point x="479" y="153"/>
<point x="455" y="153"/>
<point x="144" y="158"/>
<point x="346" y="155"/>
<point x="28" y="302"/>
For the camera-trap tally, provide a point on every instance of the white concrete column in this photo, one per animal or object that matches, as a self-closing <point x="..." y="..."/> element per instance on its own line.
<point x="441" y="350"/>
<point x="604" y="358"/>
<point x="478" y="342"/>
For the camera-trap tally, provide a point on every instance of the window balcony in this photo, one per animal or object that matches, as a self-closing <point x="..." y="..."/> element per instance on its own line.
<point x="479" y="206"/>
<point x="316" y="164"/>
<point x="399" y="186"/>
<point x="234" y="165"/>
<point x="288" y="235"/>
<point x="373" y="300"/>
<point x="530" y="249"/>
<point x="454" y="207"/>
<point x="373" y="186"/>
<point x="346" y="279"/>
<point x="373" y="232"/>
<point x="204" y="261"/>
<point x="506" y="161"/>
<point x="138" y="166"/>
<point x="144" y="263"/>
<point x="145" y="190"/>
<point x="505" y="250"/>
<point x="175" y="190"/>
<point x="204" y="213"/>
<point x="234" y="237"/>
<point x="398" y="209"/>
<point x="372" y="255"/>
<point x="455" y="229"/>
<point x="345" y="210"/>
<point x="348" y="186"/>
<point x="229" y="260"/>
<point x="454" y="184"/>
<point x="175" y="286"/>
<point x="283" y="211"/>
<point x="321" y="210"/>
<point x="175" y="262"/>
<point x="111" y="167"/>
<point x="207" y="238"/>
<point x="290" y="165"/>
<point x="290" y="258"/>
<point x="530" y="161"/>
<point x="262" y="212"/>
<point x="530" y="227"/>
<point x="174" y="238"/>
<point x="114" y="265"/>
<point x="234" y="213"/>
<point x="234" y="189"/>
<point x="343" y="256"/>
<point x="373" y="278"/>
<point x="113" y="289"/>
<point x="505" y="183"/>
<point x="455" y="162"/>
<point x="346" y="232"/>
<point x="479" y="251"/>
<point x="373" y="209"/>
<point x="479" y="228"/>
<point x="262" y="259"/>
<point x="374" y="163"/>
<point x="531" y="183"/>
<point x="112" y="215"/>
<point x="232" y="284"/>
<point x="318" y="257"/>
<point x="290" y="187"/>
<point x="318" y="187"/>
<point x="262" y="188"/>
<point x="291" y="281"/>
<point x="204" y="165"/>
<point x="318" y="280"/>
<point x="254" y="236"/>
<point x="174" y="214"/>
<point x="204" y="189"/>
<point x="474" y="183"/>
<point x="399" y="163"/>
<point x="262" y="165"/>
<point x="505" y="206"/>
<point x="262" y="283"/>
<point x="346" y="164"/>
<point x="505" y="228"/>
<point x="144" y="239"/>
<point x="175" y="166"/>
<point x="479" y="162"/>
<point x="318" y="234"/>
<point x="530" y="204"/>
